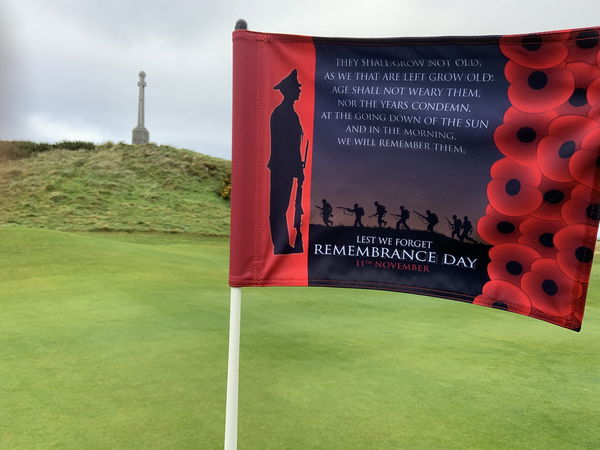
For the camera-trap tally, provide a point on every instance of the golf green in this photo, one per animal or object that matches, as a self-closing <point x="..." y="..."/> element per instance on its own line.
<point x="120" y="341"/>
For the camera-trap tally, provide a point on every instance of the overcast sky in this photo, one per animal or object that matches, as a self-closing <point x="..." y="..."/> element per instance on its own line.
<point x="68" y="68"/>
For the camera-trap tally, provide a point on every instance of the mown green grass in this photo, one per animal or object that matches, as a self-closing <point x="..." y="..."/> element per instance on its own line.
<point x="114" y="187"/>
<point x="120" y="341"/>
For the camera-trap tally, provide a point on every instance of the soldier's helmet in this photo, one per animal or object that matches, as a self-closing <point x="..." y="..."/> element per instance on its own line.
<point x="454" y="216"/>
<point x="289" y="84"/>
<point x="427" y="212"/>
<point x="401" y="206"/>
<point x="355" y="205"/>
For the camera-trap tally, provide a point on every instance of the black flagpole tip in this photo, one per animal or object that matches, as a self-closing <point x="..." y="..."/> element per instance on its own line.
<point x="241" y="24"/>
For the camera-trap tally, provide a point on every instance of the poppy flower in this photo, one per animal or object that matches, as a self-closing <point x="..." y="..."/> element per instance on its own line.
<point x="584" y="164"/>
<point x="549" y="289"/>
<point x="553" y="155"/>
<point x="583" y="207"/>
<point x="541" y="90"/>
<point x="555" y="195"/>
<point x="520" y="134"/>
<point x="496" y="228"/>
<point x="539" y="235"/>
<point x="510" y="261"/>
<point x="575" y="245"/>
<point x="538" y="51"/>
<point x="513" y="190"/>
<point x="583" y="45"/>
<point x="584" y="74"/>
<point x="504" y="295"/>
<point x="514" y="71"/>
<point x="593" y="92"/>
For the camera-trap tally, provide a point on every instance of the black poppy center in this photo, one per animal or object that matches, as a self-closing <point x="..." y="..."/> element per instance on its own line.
<point x="549" y="287"/>
<point x="532" y="43"/>
<point x="593" y="211"/>
<point x="526" y="134"/>
<point x="567" y="149"/>
<point x="537" y="80"/>
<point x="505" y="227"/>
<point x="500" y="305"/>
<point x="514" y="268"/>
<point x="578" y="97"/>
<point x="553" y="196"/>
<point x="547" y="239"/>
<point x="584" y="254"/>
<point x="598" y="161"/>
<point x="513" y="187"/>
<point x="587" y="39"/>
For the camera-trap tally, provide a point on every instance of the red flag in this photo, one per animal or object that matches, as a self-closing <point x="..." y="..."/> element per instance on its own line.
<point x="457" y="167"/>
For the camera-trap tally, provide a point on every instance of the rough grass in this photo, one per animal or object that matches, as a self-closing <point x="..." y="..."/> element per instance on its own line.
<point x="120" y="341"/>
<point x="114" y="188"/>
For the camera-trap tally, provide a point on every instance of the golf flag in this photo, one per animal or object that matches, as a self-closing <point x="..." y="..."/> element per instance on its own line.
<point x="457" y="167"/>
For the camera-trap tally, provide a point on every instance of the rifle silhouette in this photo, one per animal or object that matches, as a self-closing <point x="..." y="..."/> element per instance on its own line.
<point x="450" y="224"/>
<point x="423" y="218"/>
<point x="298" y="206"/>
<point x="345" y="210"/>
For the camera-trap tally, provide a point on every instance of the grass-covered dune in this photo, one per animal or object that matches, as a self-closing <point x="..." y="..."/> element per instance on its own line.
<point x="117" y="340"/>
<point x="113" y="187"/>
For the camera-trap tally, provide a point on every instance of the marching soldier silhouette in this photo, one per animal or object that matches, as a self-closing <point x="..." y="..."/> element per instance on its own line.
<point x="358" y="213"/>
<point x="431" y="219"/>
<point x="467" y="229"/>
<point x="403" y="216"/>
<point x="286" y="164"/>
<point x="455" y="226"/>
<point x="380" y="211"/>
<point x="326" y="213"/>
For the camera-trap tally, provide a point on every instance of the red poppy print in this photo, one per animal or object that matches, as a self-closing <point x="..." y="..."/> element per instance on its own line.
<point x="554" y="196"/>
<point x="583" y="207"/>
<point x="593" y="92"/>
<point x="519" y="135"/>
<point x="496" y="228"/>
<point x="550" y="290"/>
<point x="575" y="245"/>
<point x="504" y="295"/>
<point x="510" y="261"/>
<point x="584" y="163"/>
<point x="541" y="90"/>
<point x="513" y="190"/>
<point x="584" y="75"/>
<point x="583" y="45"/>
<point x="537" y="51"/>
<point x="539" y="235"/>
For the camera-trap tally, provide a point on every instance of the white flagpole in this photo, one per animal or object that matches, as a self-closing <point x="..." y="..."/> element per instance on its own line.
<point x="233" y="366"/>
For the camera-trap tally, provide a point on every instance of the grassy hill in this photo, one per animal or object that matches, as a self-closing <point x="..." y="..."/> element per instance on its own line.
<point x="113" y="187"/>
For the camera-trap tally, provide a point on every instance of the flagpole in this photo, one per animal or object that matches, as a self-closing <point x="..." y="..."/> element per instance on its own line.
<point x="233" y="363"/>
<point x="231" y="409"/>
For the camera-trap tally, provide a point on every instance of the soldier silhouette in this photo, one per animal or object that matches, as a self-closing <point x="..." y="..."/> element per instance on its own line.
<point x="467" y="229"/>
<point x="358" y="213"/>
<point x="456" y="227"/>
<point x="285" y="163"/>
<point x="380" y="211"/>
<point x="430" y="218"/>
<point x="326" y="213"/>
<point x="402" y="217"/>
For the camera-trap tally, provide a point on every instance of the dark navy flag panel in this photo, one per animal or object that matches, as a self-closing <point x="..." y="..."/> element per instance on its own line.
<point x="409" y="127"/>
<point x="456" y="167"/>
